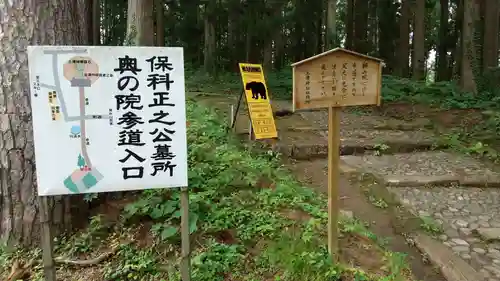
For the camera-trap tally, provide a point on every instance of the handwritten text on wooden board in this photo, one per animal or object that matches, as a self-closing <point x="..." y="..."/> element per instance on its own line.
<point x="337" y="79"/>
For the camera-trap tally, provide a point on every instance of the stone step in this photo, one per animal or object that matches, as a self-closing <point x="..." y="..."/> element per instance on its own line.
<point x="426" y="168"/>
<point x="452" y="266"/>
<point x="469" y="219"/>
<point x="309" y="143"/>
<point x="367" y="121"/>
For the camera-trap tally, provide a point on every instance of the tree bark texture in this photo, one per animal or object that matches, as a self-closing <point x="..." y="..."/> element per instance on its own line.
<point x="210" y="40"/>
<point x="468" y="55"/>
<point x="418" y="57"/>
<point x="160" y="23"/>
<point x="331" y="27"/>
<point x="404" y="39"/>
<point x="490" y="37"/>
<point x="443" y="41"/>
<point x="96" y="22"/>
<point x="349" y="38"/>
<point x="23" y="23"/>
<point x="140" y="23"/>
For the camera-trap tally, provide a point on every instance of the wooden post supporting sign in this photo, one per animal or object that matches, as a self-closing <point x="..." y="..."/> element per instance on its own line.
<point x="185" y="242"/>
<point x="335" y="79"/>
<point x="46" y="239"/>
<point x="333" y="176"/>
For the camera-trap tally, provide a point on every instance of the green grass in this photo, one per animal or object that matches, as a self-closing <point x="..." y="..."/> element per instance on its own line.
<point x="226" y="197"/>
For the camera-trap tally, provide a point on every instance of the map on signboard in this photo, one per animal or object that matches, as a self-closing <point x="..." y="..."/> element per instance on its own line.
<point x="258" y="101"/>
<point x="108" y="118"/>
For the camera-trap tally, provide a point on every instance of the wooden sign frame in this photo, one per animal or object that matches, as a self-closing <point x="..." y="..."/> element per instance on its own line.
<point x="337" y="78"/>
<point x="315" y="96"/>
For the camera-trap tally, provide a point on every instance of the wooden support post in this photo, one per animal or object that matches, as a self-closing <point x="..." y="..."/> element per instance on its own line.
<point x="333" y="179"/>
<point x="46" y="240"/>
<point x="185" y="243"/>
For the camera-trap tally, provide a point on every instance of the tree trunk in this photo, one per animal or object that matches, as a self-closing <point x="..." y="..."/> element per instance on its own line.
<point x="349" y="38"/>
<point x="96" y="23"/>
<point x="279" y="47"/>
<point x="467" y="80"/>
<point x="35" y="23"/>
<point x="387" y="11"/>
<point x="442" y="52"/>
<point x="455" y="64"/>
<point x="140" y="24"/>
<point x="268" y="55"/>
<point x="160" y="23"/>
<point x="418" y="57"/>
<point x="404" y="39"/>
<point x="361" y="43"/>
<point x="210" y="44"/>
<point x="331" y="28"/>
<point x="490" y="44"/>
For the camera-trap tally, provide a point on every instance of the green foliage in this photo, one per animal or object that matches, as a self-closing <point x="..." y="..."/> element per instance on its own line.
<point x="444" y="95"/>
<point x="299" y="259"/>
<point x="133" y="264"/>
<point x="279" y="83"/>
<point x="430" y="225"/>
<point x="215" y="261"/>
<point x="227" y="198"/>
<point x="163" y="207"/>
<point x="85" y="241"/>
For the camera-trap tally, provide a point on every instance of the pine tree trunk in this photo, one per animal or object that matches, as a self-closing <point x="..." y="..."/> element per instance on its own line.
<point x="404" y="39"/>
<point x="490" y="44"/>
<point x="210" y="43"/>
<point x="140" y="23"/>
<point x="160" y="23"/>
<point x="455" y="63"/>
<point x="467" y="80"/>
<point x="331" y="28"/>
<point x="349" y="25"/>
<point x="418" y="57"/>
<point x="96" y="23"/>
<point x="361" y="43"/>
<point x="442" y="56"/>
<point x="35" y="23"/>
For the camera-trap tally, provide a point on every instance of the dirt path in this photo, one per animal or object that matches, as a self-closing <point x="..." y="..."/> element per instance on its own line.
<point x="304" y="144"/>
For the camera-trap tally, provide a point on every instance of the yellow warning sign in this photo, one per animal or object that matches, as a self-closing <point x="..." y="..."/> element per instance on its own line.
<point x="258" y="101"/>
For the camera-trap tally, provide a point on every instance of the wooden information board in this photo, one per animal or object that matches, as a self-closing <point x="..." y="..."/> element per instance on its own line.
<point x="332" y="80"/>
<point x="258" y="101"/>
<point x="336" y="78"/>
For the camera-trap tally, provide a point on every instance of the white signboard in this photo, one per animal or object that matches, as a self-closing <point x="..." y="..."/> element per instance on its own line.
<point x="108" y="118"/>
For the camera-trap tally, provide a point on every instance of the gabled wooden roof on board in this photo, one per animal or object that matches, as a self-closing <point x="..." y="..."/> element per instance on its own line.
<point x="334" y="51"/>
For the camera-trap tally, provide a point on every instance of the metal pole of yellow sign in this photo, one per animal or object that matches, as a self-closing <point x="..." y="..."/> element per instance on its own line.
<point x="250" y="137"/>
<point x="234" y="114"/>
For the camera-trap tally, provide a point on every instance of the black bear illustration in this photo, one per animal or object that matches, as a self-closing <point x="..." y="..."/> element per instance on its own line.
<point x="258" y="89"/>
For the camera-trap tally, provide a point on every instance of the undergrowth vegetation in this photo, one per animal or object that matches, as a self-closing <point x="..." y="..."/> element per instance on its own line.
<point x="445" y="95"/>
<point x="249" y="218"/>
